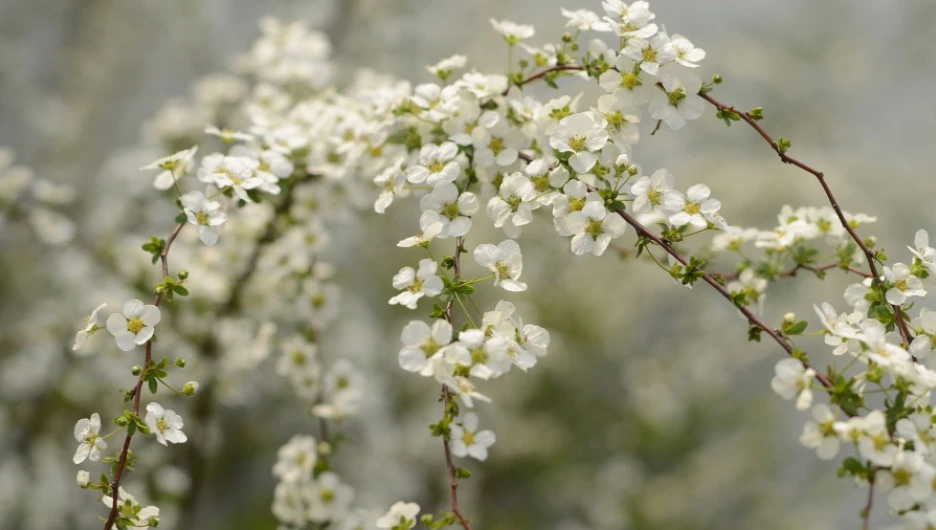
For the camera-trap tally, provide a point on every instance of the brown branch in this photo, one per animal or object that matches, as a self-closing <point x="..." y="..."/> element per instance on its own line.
<point x="820" y="176"/>
<point x="138" y="390"/>
<point x="815" y="270"/>
<point x="866" y="511"/>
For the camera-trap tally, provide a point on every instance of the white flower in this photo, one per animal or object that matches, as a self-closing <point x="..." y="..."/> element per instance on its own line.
<point x="923" y="251"/>
<point x="83" y="478"/>
<point x="430" y="229"/>
<point x="296" y="459"/>
<point x="436" y="164"/>
<point x="655" y="194"/>
<point x="651" y="53"/>
<point x="820" y="434"/>
<point x="622" y="119"/>
<point x="627" y="82"/>
<point x="446" y="206"/>
<point x="512" y="32"/>
<point x="686" y="53"/>
<point x="204" y="214"/>
<point x="630" y="21"/>
<point x="392" y="181"/>
<point x="792" y="380"/>
<point x="329" y="498"/>
<point x="165" y="424"/>
<point x="511" y="207"/>
<point x="416" y="284"/>
<point x="923" y="343"/>
<point x="593" y="228"/>
<point x="130" y="511"/>
<point x="93" y="322"/>
<point x="909" y="480"/>
<point x="905" y="284"/>
<point x="90" y="443"/>
<point x="468" y="441"/>
<point x="488" y="355"/>
<point x="444" y="68"/>
<point x="135" y="325"/>
<point x="583" y="19"/>
<point x="697" y="208"/>
<point x="580" y="134"/>
<point x="402" y="516"/>
<point x="173" y="167"/>
<point x="505" y="261"/>
<point x="234" y="172"/>
<point x="874" y="442"/>
<point x="228" y="135"/>
<point x="422" y="344"/>
<point x="680" y="101"/>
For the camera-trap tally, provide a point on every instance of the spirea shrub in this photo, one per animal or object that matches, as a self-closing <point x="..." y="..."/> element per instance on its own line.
<point x="295" y="155"/>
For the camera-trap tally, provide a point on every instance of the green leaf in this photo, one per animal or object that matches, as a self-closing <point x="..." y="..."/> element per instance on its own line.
<point x="153" y="385"/>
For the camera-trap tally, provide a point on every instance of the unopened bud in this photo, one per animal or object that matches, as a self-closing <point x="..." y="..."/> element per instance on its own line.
<point x="789" y="318"/>
<point x="83" y="479"/>
<point x="136" y="370"/>
<point x="183" y="274"/>
<point x="190" y="388"/>
<point x="180" y="362"/>
<point x="324" y="448"/>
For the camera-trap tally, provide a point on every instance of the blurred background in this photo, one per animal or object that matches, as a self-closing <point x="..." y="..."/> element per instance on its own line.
<point x="651" y="410"/>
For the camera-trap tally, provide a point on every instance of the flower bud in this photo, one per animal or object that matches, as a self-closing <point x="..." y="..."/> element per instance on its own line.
<point x="159" y="289"/>
<point x="789" y="318"/>
<point x="83" y="479"/>
<point x="716" y="79"/>
<point x="183" y="274"/>
<point x="136" y="370"/>
<point x="121" y="421"/>
<point x="324" y="448"/>
<point x="190" y="388"/>
<point x="180" y="362"/>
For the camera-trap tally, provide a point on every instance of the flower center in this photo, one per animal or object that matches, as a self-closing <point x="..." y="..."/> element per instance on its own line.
<point x="654" y="196"/>
<point x="298" y="358"/>
<point x="692" y="208"/>
<point x="594" y="228"/>
<point x="327" y="495"/>
<point x="577" y="143"/>
<point x="576" y="205"/>
<point x="451" y="211"/>
<point x="630" y="80"/>
<point x="479" y="356"/>
<point x="430" y="347"/>
<point x="649" y="55"/>
<point x="513" y="201"/>
<point x="416" y="286"/>
<point x="902" y="477"/>
<point x="135" y="325"/>
<point x="162" y="425"/>
<point x="468" y="438"/>
<point x="677" y="96"/>
<point x="202" y="218"/>
<point x="502" y="270"/>
<point x="616" y="120"/>
<point x="902" y="285"/>
<point x="496" y="145"/>
<point x="436" y="167"/>
<point x="541" y="183"/>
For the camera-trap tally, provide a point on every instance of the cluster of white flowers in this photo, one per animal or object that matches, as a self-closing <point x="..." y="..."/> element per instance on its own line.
<point x="880" y="401"/>
<point x="479" y="149"/>
<point x="37" y="200"/>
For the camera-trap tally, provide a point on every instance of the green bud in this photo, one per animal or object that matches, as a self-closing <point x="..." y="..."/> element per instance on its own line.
<point x="716" y="79"/>
<point x="159" y="289"/>
<point x="567" y="37"/>
<point x="180" y="362"/>
<point x="121" y="421"/>
<point x="183" y="274"/>
<point x="136" y="370"/>
<point x="190" y="388"/>
<point x="789" y="318"/>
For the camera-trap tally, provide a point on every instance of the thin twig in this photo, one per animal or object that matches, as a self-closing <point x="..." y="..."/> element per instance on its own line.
<point x="138" y="390"/>
<point x="820" y="176"/>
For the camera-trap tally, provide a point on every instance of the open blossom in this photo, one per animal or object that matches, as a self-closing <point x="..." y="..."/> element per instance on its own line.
<point x="436" y="164"/>
<point x="422" y="345"/>
<point x="505" y="261"/>
<point x="680" y="100"/>
<point x="129" y="510"/>
<point x="593" y="228"/>
<point x="651" y="53"/>
<point x="468" y="441"/>
<point x="697" y="208"/>
<point x="90" y="443"/>
<point x="133" y="326"/>
<point x="512" y="32"/>
<point x="583" y="19"/>
<point x="820" y="434"/>
<point x="204" y="214"/>
<point x="909" y="480"/>
<point x="655" y="194"/>
<point x="686" y="53"/>
<point x="93" y="322"/>
<point x="402" y="516"/>
<point x="295" y="460"/>
<point x="416" y="284"/>
<point x="329" y="498"/>
<point x="231" y="172"/>
<point x="444" y="68"/>
<point x="580" y="134"/>
<point x="904" y="284"/>
<point x="511" y="208"/>
<point x="165" y="424"/>
<point x="792" y="380"/>
<point x="173" y="167"/>
<point x="445" y="205"/>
